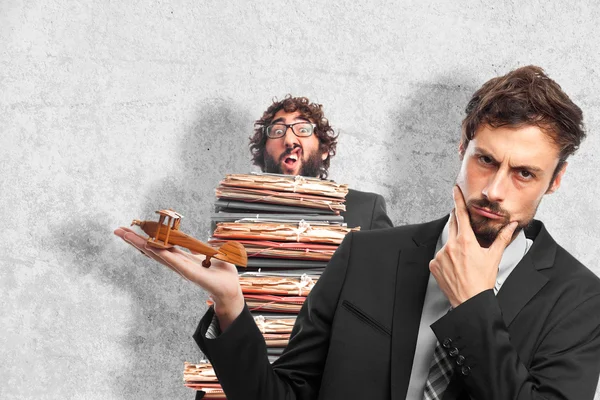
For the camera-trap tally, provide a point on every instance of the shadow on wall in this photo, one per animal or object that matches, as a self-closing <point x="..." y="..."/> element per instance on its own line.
<point x="424" y="150"/>
<point x="165" y="309"/>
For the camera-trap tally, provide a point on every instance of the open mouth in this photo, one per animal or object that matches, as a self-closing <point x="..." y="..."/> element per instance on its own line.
<point x="291" y="160"/>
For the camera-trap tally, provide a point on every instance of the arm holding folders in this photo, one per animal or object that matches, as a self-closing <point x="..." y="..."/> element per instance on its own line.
<point x="239" y="354"/>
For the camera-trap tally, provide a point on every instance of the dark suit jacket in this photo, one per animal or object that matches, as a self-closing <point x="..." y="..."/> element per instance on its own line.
<point x="539" y="338"/>
<point x="366" y="210"/>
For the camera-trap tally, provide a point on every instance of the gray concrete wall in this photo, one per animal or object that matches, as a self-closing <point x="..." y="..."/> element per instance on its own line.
<point x="110" y="110"/>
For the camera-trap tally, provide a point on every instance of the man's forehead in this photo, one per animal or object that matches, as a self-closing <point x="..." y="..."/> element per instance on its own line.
<point x="284" y="116"/>
<point x="526" y="144"/>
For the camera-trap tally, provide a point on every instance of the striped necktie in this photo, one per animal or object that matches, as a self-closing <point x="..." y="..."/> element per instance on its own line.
<point x="440" y="372"/>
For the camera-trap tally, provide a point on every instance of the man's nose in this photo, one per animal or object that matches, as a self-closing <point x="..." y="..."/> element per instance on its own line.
<point x="290" y="139"/>
<point x="497" y="186"/>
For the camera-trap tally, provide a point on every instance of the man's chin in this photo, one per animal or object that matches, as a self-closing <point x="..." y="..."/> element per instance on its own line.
<point x="486" y="230"/>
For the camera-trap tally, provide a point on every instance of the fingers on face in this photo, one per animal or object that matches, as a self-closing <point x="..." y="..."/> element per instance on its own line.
<point x="505" y="236"/>
<point x="463" y="223"/>
<point x="460" y="207"/>
<point x="452" y="224"/>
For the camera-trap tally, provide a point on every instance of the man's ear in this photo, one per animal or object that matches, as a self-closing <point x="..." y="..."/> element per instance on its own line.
<point x="324" y="155"/>
<point x="555" y="184"/>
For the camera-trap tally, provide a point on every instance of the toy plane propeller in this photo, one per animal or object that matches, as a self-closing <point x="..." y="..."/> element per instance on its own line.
<point x="165" y="236"/>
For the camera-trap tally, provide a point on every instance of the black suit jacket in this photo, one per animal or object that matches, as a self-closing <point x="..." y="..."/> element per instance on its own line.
<point x="355" y="336"/>
<point x="366" y="210"/>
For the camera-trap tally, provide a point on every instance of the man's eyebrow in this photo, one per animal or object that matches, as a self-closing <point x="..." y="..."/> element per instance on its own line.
<point x="281" y="119"/>
<point x="530" y="168"/>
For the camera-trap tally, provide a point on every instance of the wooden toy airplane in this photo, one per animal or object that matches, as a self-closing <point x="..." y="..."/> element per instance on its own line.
<point x="165" y="236"/>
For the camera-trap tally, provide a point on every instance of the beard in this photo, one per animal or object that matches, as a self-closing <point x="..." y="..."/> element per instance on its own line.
<point x="312" y="166"/>
<point x="486" y="230"/>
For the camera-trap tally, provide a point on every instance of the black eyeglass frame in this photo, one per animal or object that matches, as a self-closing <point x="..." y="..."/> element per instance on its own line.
<point x="266" y="129"/>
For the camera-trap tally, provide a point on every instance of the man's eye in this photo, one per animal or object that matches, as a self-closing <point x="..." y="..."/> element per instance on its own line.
<point x="485" y="160"/>
<point x="526" y="175"/>
<point x="278" y="131"/>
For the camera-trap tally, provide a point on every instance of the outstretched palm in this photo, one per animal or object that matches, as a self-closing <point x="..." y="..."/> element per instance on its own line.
<point x="220" y="279"/>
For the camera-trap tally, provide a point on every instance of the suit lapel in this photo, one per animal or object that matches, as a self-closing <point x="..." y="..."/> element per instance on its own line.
<point x="525" y="280"/>
<point x="412" y="275"/>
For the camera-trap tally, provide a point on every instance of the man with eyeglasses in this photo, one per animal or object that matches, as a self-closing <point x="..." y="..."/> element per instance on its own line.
<point x="293" y="137"/>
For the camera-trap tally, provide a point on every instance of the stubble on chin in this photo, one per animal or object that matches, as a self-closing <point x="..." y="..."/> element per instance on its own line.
<point x="486" y="230"/>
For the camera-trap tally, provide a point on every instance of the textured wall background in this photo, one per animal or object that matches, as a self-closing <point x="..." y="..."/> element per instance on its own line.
<point x="110" y="110"/>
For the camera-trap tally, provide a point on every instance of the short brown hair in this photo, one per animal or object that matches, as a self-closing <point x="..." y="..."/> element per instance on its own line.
<point x="526" y="96"/>
<point x="312" y="111"/>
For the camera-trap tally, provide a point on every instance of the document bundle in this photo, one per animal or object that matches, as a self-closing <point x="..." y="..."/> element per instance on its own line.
<point x="290" y="227"/>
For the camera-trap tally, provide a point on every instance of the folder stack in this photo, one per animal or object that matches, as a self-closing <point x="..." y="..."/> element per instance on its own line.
<point x="202" y="377"/>
<point x="290" y="227"/>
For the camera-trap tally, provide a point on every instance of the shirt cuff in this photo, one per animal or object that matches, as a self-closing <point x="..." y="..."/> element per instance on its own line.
<point x="214" y="329"/>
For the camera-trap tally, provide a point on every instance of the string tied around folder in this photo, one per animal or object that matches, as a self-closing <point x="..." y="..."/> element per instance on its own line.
<point x="298" y="180"/>
<point x="305" y="282"/>
<point x="260" y="322"/>
<point x="303" y="226"/>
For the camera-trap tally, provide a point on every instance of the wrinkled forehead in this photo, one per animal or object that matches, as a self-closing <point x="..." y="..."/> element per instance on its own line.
<point x="517" y="145"/>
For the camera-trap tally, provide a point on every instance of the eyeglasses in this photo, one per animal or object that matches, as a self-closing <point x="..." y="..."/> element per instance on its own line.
<point x="300" y="129"/>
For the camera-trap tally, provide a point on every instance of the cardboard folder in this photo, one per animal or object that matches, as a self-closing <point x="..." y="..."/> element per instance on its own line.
<point x="283" y="264"/>
<point x="284" y="198"/>
<point x="285" y="304"/>
<point x="277" y="285"/>
<point x="224" y="205"/>
<point x="284" y="250"/>
<point x="223" y="216"/>
<point x="287" y="183"/>
<point x="302" y="232"/>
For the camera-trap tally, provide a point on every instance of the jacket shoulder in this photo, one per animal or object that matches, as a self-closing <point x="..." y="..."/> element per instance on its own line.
<point x="359" y="195"/>
<point x="570" y="269"/>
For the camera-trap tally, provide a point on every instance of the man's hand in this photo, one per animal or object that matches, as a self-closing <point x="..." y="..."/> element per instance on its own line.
<point x="462" y="268"/>
<point x="220" y="279"/>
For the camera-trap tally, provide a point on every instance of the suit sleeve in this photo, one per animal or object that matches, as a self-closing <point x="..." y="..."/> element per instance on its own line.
<point x="239" y="354"/>
<point x="565" y="365"/>
<point x="380" y="219"/>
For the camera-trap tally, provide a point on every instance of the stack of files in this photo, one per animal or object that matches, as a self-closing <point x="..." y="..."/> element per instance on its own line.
<point x="290" y="227"/>
<point x="276" y="292"/>
<point x="283" y="190"/>
<point x="202" y="377"/>
<point x="275" y="329"/>
<point x="277" y="283"/>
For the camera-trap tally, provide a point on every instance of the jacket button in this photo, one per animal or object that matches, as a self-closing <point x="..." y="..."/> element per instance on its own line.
<point x="465" y="370"/>
<point x="447" y="343"/>
<point x="453" y="352"/>
<point x="460" y="360"/>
